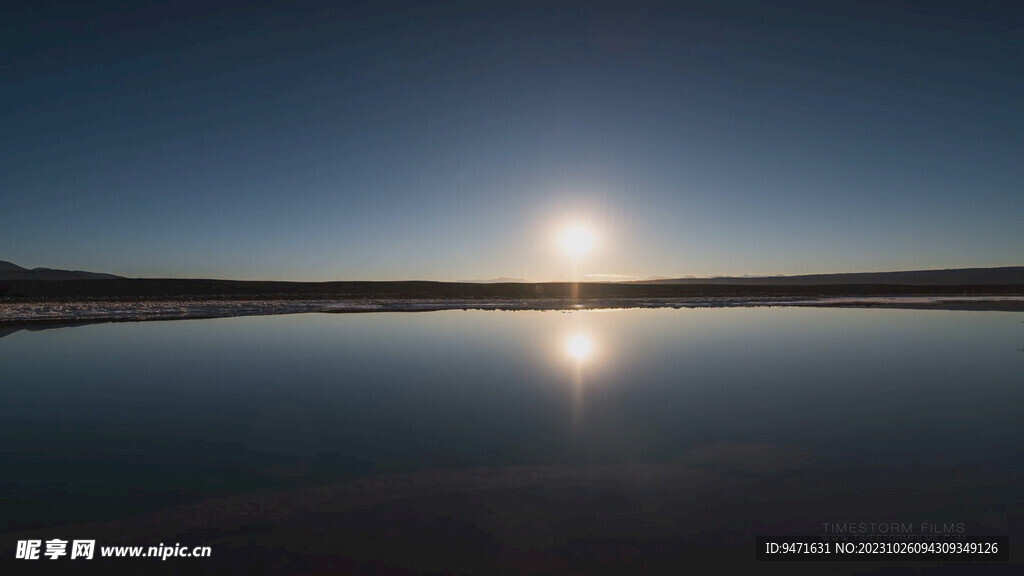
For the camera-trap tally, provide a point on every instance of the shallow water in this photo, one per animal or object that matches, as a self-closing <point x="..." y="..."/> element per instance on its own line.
<point x="109" y="421"/>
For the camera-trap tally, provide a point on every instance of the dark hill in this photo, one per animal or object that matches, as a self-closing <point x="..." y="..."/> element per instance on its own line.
<point x="953" y="277"/>
<point x="155" y="289"/>
<point x="58" y="285"/>
<point x="10" y="271"/>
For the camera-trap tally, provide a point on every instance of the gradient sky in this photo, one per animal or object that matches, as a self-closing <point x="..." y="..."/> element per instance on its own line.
<point x="446" y="140"/>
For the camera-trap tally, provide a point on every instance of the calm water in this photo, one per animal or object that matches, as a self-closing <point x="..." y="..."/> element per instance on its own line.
<point x="109" y="421"/>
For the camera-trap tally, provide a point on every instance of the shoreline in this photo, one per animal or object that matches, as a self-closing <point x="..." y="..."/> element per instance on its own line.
<point x="52" y="314"/>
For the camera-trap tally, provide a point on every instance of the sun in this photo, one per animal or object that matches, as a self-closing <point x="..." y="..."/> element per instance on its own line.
<point x="577" y="241"/>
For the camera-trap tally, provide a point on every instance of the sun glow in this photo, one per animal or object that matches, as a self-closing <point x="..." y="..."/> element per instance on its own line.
<point x="577" y="241"/>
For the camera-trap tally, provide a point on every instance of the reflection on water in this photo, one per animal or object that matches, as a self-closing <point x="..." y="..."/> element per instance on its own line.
<point x="724" y="416"/>
<point x="579" y="347"/>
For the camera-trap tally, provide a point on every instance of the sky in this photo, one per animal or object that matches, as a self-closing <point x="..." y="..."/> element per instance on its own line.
<point x="455" y="141"/>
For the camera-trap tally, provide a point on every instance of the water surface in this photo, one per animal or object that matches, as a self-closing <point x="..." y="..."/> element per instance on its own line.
<point x="109" y="421"/>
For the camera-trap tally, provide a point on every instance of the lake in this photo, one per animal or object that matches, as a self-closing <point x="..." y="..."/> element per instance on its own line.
<point x="512" y="442"/>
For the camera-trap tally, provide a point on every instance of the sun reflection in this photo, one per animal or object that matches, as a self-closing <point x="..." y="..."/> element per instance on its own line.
<point x="579" y="347"/>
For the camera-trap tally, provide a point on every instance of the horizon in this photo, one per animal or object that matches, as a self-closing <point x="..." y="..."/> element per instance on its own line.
<point x="314" y="142"/>
<point x="587" y="278"/>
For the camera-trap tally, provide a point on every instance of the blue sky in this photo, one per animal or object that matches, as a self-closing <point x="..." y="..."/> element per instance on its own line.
<point x="387" y="140"/>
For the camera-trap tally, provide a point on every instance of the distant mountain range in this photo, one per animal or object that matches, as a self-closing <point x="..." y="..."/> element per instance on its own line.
<point x="500" y="280"/>
<point x="9" y="271"/>
<point x="953" y="277"/>
<point x="1009" y="275"/>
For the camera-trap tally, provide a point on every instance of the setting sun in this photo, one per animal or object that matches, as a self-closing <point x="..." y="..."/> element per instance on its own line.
<point x="577" y="241"/>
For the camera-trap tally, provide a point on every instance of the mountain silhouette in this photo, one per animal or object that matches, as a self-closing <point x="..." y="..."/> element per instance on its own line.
<point x="950" y="277"/>
<point x="11" y="271"/>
